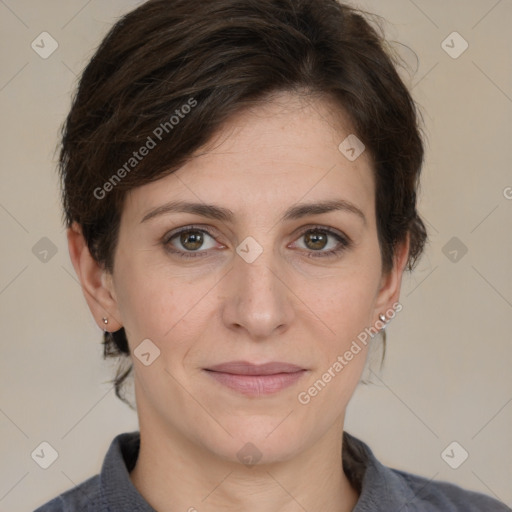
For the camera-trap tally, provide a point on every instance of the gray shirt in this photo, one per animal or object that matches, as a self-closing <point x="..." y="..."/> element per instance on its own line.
<point x="381" y="489"/>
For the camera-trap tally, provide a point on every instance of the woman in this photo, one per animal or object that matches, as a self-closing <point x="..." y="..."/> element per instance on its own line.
<point x="239" y="185"/>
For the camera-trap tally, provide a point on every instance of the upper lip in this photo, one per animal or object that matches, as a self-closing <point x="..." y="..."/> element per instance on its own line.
<point x="246" y="368"/>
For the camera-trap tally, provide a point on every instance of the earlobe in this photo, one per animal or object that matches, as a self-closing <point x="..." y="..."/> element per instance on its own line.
<point x="96" y="282"/>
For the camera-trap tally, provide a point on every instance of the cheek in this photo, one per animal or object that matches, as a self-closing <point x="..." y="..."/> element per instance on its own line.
<point x="161" y="305"/>
<point x="345" y="303"/>
<point x="346" y="307"/>
<point x="158" y="302"/>
<point x="144" y="297"/>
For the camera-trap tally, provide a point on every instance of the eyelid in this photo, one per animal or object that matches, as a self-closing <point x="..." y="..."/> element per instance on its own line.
<point x="183" y="229"/>
<point x="327" y="229"/>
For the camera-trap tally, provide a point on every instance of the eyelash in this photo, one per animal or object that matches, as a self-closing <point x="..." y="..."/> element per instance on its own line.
<point x="343" y="240"/>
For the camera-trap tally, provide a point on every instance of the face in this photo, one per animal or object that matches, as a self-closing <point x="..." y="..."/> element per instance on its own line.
<point x="251" y="274"/>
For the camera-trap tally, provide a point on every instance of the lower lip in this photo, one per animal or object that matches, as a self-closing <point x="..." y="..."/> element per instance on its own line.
<point x="257" y="385"/>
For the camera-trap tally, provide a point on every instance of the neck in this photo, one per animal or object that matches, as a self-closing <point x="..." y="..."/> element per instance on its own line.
<point x="174" y="473"/>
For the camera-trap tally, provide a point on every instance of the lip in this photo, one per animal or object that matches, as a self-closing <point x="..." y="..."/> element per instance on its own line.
<point x="256" y="380"/>
<point x="246" y="368"/>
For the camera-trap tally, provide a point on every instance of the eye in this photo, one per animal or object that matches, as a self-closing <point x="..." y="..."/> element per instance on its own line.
<point x="187" y="241"/>
<point x="318" y="238"/>
<point x="190" y="242"/>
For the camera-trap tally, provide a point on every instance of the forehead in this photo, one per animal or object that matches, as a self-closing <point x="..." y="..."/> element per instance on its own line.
<point x="267" y="157"/>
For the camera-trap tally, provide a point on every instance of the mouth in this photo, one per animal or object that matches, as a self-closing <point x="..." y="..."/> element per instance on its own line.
<point x="256" y="380"/>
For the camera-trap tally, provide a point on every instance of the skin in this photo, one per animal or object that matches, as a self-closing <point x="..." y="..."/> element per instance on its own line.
<point x="284" y="306"/>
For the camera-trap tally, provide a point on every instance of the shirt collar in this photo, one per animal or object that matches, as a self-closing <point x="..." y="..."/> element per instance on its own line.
<point x="380" y="488"/>
<point x="117" y="491"/>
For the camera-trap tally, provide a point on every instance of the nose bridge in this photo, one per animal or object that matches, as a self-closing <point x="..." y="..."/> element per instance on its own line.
<point x="259" y="301"/>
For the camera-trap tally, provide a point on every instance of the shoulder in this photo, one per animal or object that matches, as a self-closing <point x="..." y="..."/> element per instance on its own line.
<point x="82" y="498"/>
<point x="382" y="488"/>
<point x="111" y="488"/>
<point x="440" y="495"/>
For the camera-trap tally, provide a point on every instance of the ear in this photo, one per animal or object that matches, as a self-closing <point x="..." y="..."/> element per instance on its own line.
<point x="97" y="283"/>
<point x="389" y="290"/>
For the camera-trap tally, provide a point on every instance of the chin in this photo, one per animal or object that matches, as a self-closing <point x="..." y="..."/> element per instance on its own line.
<point x="257" y="440"/>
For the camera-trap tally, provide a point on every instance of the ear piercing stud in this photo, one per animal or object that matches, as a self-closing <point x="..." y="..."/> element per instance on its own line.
<point x="105" y="320"/>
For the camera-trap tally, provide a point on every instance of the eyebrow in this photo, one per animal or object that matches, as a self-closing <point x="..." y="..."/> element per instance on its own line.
<point x="226" y="215"/>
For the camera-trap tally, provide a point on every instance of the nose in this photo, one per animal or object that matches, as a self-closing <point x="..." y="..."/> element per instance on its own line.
<point x="258" y="300"/>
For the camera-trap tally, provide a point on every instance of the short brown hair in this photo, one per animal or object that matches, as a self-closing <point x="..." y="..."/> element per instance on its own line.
<point x="224" y="55"/>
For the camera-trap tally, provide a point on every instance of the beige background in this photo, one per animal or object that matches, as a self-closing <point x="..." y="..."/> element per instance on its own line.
<point x="447" y="373"/>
